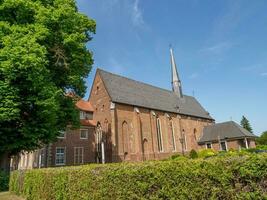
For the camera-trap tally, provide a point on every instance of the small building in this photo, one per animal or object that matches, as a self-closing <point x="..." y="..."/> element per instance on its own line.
<point x="73" y="146"/>
<point x="225" y="136"/>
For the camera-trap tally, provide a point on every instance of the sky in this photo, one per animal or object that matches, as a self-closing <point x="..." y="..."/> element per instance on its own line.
<point x="220" y="49"/>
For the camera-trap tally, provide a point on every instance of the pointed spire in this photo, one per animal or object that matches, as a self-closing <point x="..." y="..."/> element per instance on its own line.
<point x="176" y="83"/>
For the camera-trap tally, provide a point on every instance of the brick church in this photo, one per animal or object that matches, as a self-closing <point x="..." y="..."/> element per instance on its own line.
<point x="127" y="120"/>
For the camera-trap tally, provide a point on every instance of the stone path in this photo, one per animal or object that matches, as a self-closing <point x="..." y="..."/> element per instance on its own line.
<point x="8" y="196"/>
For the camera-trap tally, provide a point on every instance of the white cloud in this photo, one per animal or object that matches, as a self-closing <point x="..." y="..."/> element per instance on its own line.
<point x="263" y="74"/>
<point x="137" y="15"/>
<point x="227" y="22"/>
<point x="128" y="8"/>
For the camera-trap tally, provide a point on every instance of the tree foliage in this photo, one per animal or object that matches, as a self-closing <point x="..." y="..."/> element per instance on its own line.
<point x="245" y="124"/>
<point x="42" y="56"/>
<point x="262" y="140"/>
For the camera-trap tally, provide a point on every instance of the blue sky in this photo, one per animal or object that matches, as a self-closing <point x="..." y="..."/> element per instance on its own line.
<point x="220" y="49"/>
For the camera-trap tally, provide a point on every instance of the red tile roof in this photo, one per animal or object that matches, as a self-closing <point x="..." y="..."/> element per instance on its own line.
<point x="84" y="105"/>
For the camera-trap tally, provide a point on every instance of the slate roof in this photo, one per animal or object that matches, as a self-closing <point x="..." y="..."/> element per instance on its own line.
<point x="225" y="130"/>
<point x="131" y="92"/>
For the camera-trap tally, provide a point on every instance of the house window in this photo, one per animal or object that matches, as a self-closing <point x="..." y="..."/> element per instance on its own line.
<point x="208" y="145"/>
<point x="78" y="155"/>
<point x="62" y="134"/>
<point x="84" y="134"/>
<point x="60" y="155"/>
<point x="159" y="135"/>
<point x="173" y="137"/>
<point x="82" y="115"/>
<point x="223" y="145"/>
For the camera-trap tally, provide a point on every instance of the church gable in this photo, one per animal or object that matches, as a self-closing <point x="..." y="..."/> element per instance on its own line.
<point x="100" y="100"/>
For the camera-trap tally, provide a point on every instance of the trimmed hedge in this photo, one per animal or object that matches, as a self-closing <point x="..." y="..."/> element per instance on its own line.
<point x="229" y="177"/>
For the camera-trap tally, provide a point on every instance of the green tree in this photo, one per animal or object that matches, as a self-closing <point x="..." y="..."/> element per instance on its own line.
<point x="262" y="140"/>
<point x="43" y="56"/>
<point x="245" y="124"/>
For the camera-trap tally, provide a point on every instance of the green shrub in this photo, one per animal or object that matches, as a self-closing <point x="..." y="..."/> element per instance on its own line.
<point x="233" y="177"/>
<point x="205" y="153"/>
<point x="261" y="147"/>
<point x="4" y="178"/>
<point x="257" y="149"/>
<point x="193" y="154"/>
<point x="175" y="156"/>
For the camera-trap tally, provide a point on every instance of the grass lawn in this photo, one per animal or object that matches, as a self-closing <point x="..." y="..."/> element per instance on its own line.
<point x="8" y="196"/>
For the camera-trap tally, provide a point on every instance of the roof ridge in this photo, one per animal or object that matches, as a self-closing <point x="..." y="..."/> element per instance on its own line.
<point x="138" y="81"/>
<point x="221" y="123"/>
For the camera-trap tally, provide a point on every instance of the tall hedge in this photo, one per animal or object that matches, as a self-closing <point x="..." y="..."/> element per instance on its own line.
<point x="238" y="177"/>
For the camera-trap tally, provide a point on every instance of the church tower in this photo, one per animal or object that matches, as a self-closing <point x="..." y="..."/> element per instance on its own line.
<point x="176" y="83"/>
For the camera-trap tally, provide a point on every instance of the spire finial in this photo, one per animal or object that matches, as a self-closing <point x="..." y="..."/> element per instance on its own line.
<point x="176" y="83"/>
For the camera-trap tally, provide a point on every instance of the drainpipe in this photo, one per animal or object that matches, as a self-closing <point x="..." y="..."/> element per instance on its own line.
<point x="246" y="142"/>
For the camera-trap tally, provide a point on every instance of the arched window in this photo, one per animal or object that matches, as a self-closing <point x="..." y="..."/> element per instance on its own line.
<point x="125" y="137"/>
<point x="172" y="136"/>
<point x="106" y="126"/>
<point x="159" y="135"/>
<point x="184" y="139"/>
<point x="99" y="140"/>
<point x="195" y="134"/>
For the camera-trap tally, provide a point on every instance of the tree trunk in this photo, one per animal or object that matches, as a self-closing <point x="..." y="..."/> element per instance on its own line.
<point x="5" y="162"/>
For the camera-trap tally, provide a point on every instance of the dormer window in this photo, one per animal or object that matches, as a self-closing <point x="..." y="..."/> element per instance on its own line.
<point x="86" y="115"/>
<point x="82" y="115"/>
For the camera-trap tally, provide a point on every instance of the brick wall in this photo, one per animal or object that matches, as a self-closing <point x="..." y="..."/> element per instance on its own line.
<point x="234" y="144"/>
<point x="72" y="139"/>
<point x="100" y="100"/>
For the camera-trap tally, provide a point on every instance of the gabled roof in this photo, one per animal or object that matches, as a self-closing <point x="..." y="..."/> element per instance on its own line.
<point x="84" y="105"/>
<point x="131" y="92"/>
<point x="225" y="130"/>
